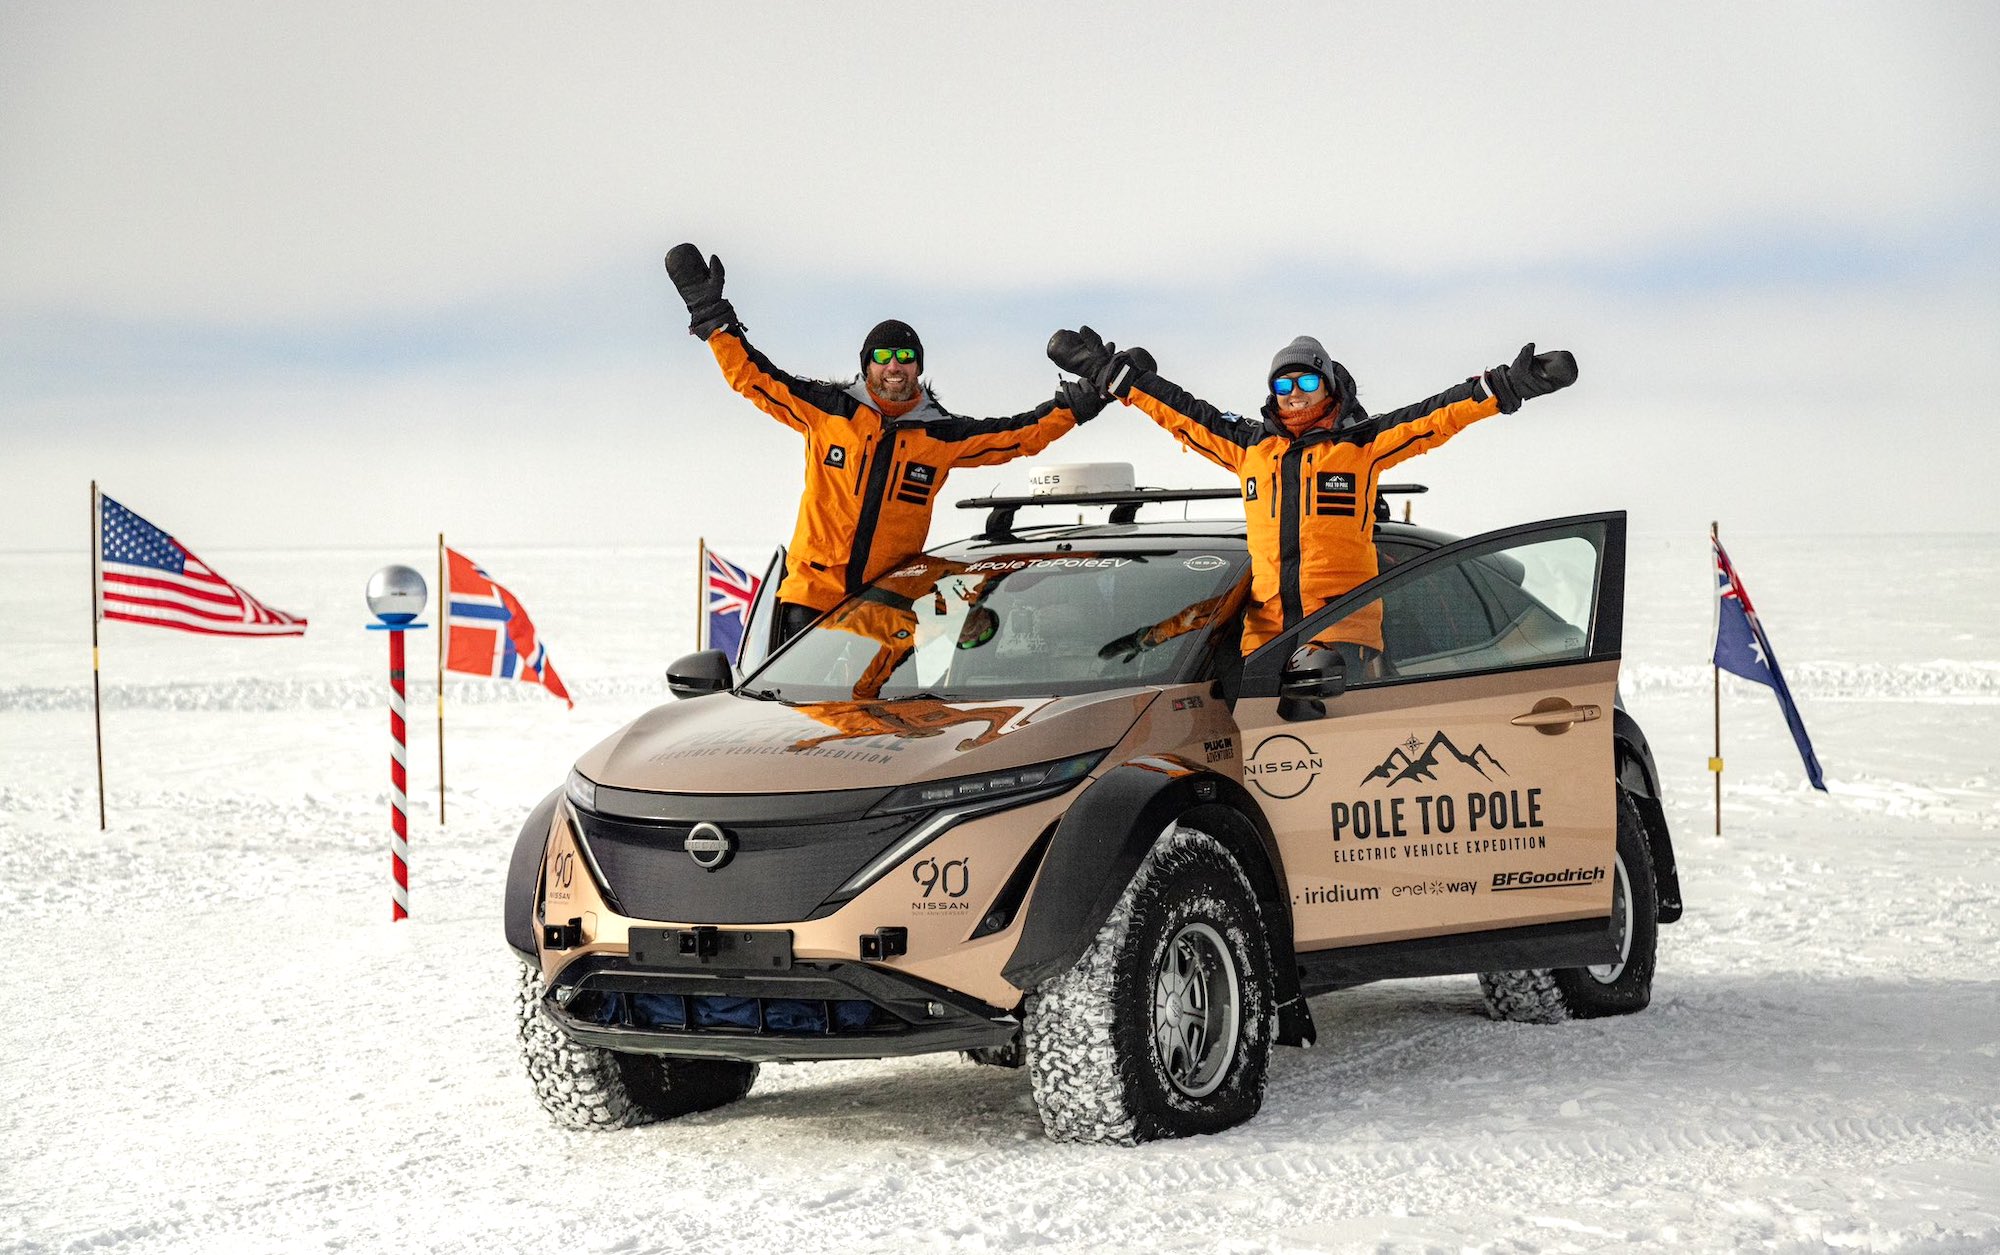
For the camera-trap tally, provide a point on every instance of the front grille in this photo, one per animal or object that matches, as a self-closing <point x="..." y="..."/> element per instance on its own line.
<point x="780" y="871"/>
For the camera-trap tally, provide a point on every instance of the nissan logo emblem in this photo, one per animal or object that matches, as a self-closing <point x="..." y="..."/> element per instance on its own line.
<point x="709" y="846"/>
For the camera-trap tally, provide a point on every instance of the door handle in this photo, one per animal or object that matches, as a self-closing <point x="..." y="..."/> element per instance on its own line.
<point x="1552" y="716"/>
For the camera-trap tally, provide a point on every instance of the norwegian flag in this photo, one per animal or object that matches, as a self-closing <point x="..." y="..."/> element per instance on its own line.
<point x="1741" y="648"/>
<point x="489" y="633"/>
<point x="146" y="576"/>
<point x="728" y="592"/>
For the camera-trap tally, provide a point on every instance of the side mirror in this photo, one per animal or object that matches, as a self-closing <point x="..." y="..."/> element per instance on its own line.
<point x="1314" y="673"/>
<point x="699" y="673"/>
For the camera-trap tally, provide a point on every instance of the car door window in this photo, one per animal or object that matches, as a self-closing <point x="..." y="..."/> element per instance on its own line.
<point x="1518" y="598"/>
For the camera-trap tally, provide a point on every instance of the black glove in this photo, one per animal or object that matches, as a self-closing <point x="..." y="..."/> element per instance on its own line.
<point x="1126" y="647"/>
<point x="1084" y="352"/>
<point x="1081" y="399"/>
<point x="1530" y="375"/>
<point x="700" y="285"/>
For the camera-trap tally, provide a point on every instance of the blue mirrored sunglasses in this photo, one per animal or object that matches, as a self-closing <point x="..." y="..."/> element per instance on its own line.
<point x="1306" y="383"/>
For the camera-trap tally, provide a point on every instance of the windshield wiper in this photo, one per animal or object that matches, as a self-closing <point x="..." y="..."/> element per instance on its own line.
<point x="762" y="695"/>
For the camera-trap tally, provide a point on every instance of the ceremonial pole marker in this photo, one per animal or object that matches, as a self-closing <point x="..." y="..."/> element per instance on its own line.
<point x="396" y="594"/>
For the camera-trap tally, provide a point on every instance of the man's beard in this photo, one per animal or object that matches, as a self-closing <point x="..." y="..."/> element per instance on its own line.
<point x="895" y="389"/>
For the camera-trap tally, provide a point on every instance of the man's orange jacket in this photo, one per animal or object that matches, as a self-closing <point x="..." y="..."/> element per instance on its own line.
<point x="1309" y="502"/>
<point x="870" y="481"/>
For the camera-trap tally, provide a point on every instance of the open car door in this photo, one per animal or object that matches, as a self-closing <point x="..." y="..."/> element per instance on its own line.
<point x="1462" y="781"/>
<point x="760" y="627"/>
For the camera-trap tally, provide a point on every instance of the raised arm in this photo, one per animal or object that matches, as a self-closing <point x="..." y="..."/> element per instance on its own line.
<point x="1404" y="433"/>
<point x="1130" y="377"/>
<point x="791" y="400"/>
<point x="991" y="441"/>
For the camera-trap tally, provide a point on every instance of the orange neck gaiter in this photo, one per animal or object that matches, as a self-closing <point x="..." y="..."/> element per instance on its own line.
<point x="895" y="409"/>
<point x="1318" y="416"/>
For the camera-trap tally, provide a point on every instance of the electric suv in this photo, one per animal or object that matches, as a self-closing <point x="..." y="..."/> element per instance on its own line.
<point x="1024" y="798"/>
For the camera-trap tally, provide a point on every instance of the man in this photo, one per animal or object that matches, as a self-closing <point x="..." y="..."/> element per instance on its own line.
<point x="1310" y="467"/>
<point x="877" y="450"/>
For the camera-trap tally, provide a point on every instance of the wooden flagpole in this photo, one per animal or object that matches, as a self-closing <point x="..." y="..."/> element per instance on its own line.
<point x="444" y="630"/>
<point x="96" y="687"/>
<point x="700" y="601"/>
<point x="1715" y="762"/>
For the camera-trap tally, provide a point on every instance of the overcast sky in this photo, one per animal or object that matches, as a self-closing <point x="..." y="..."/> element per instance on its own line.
<point x="286" y="275"/>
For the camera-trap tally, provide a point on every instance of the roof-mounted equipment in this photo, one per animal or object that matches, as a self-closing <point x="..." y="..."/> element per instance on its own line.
<point x="1110" y="484"/>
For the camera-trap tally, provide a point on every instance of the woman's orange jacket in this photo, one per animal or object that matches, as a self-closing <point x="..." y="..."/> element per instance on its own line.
<point x="870" y="481"/>
<point x="1309" y="502"/>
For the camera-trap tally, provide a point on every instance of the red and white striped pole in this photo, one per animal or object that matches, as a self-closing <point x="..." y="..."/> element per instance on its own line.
<point x="399" y="786"/>
<point x="396" y="594"/>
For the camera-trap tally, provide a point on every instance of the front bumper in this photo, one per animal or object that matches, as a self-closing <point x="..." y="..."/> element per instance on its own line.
<point x="815" y="1010"/>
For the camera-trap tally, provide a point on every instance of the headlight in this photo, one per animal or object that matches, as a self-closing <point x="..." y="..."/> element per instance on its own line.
<point x="581" y="792"/>
<point x="994" y="784"/>
<point x="963" y="798"/>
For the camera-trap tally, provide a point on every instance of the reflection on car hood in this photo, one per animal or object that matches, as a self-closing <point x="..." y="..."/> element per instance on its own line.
<point x="724" y="743"/>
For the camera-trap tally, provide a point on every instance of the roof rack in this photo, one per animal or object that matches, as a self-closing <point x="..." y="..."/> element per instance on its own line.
<point x="1125" y="505"/>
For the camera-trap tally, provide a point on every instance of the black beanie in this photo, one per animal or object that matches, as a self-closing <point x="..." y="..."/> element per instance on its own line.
<point x="891" y="334"/>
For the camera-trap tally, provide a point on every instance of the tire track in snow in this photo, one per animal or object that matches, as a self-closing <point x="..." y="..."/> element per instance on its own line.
<point x="1063" y="1188"/>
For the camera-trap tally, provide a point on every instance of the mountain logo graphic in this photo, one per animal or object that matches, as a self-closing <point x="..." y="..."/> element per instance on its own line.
<point x="1405" y="763"/>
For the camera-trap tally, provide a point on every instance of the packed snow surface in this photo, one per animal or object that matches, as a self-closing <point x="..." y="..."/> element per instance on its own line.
<point x="218" y="1042"/>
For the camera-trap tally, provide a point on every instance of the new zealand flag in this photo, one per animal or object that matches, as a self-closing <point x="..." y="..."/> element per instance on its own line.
<point x="1741" y="648"/>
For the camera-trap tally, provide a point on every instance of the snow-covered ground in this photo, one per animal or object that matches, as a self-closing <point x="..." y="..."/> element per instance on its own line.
<point x="217" y="1042"/>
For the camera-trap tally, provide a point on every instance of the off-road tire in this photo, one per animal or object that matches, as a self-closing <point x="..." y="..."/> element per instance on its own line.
<point x="584" y="1087"/>
<point x="1096" y="1067"/>
<point x="1552" y="995"/>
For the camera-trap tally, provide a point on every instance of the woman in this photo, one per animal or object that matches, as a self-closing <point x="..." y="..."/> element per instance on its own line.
<point x="1309" y="464"/>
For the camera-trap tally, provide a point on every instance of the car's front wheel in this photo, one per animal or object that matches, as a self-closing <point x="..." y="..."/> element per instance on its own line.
<point x="1163" y="1028"/>
<point x="1550" y="995"/>
<point x="584" y="1087"/>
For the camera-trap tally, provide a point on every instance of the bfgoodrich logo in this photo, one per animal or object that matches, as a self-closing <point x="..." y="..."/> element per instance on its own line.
<point x="1283" y="766"/>
<point x="1507" y="882"/>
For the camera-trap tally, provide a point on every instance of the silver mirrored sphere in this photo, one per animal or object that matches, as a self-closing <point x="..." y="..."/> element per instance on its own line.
<point x="396" y="594"/>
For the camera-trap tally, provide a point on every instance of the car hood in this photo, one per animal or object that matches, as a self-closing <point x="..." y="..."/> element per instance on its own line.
<point x="724" y="743"/>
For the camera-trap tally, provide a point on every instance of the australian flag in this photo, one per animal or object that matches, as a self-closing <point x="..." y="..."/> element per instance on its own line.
<point x="728" y="591"/>
<point x="1741" y="648"/>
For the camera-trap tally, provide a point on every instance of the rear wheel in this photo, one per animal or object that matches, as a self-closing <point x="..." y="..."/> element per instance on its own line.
<point x="585" y="1087"/>
<point x="1550" y="995"/>
<point x="1163" y="1027"/>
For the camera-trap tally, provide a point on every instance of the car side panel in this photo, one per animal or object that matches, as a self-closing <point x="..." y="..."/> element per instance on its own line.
<point x="1381" y="845"/>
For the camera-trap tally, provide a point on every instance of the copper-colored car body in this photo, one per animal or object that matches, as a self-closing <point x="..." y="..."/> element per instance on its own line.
<point x="750" y="874"/>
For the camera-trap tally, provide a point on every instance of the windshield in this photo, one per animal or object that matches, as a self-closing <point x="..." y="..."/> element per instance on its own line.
<point x="1021" y="624"/>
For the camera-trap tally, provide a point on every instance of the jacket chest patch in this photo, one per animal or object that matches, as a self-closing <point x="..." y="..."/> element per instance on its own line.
<point x="836" y="457"/>
<point x="1333" y="493"/>
<point x="916" y="484"/>
<point x="1250" y="489"/>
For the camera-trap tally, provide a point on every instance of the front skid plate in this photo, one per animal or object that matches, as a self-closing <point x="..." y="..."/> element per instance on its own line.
<point x="934" y="1018"/>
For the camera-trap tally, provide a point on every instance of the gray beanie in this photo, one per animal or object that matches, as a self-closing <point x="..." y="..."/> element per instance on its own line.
<point x="1302" y="354"/>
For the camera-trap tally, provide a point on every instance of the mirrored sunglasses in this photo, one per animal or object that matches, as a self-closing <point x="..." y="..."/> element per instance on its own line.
<point x="1306" y="383"/>
<point x="883" y="357"/>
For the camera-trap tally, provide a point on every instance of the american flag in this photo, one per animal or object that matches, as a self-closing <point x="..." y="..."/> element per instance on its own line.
<point x="729" y="592"/>
<point x="146" y="576"/>
<point x="489" y="633"/>
<point x="1741" y="648"/>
